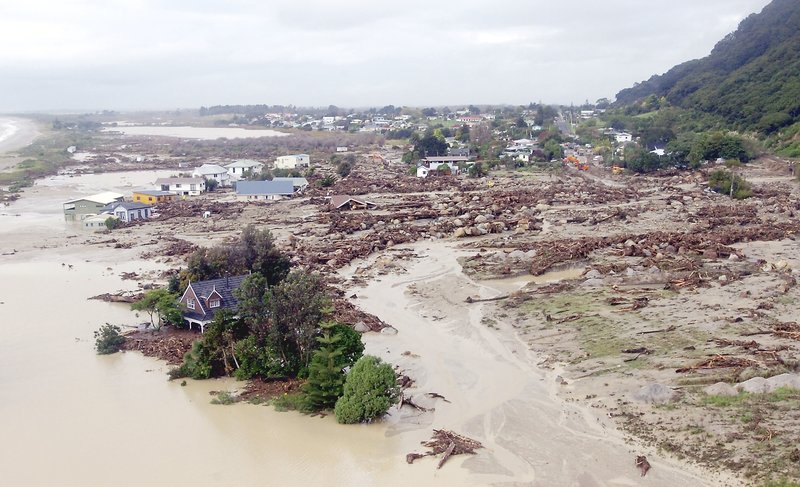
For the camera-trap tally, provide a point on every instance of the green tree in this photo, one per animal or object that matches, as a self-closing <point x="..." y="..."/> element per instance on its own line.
<point x="161" y="306"/>
<point x="107" y="339"/>
<point x="296" y="306"/>
<point x="211" y="184"/>
<point x="214" y="354"/>
<point x="350" y="343"/>
<point x="370" y="389"/>
<point x="253" y="307"/>
<point x="325" y="377"/>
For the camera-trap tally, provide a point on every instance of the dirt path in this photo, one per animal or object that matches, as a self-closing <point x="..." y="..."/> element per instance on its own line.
<point x="497" y="393"/>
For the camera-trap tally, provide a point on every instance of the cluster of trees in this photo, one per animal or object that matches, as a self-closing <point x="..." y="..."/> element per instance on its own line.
<point x="254" y="251"/>
<point x="689" y="150"/>
<point x="282" y="329"/>
<point x="749" y="81"/>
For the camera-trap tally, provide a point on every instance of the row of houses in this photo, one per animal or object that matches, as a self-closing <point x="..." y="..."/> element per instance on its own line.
<point x="93" y="211"/>
<point x="238" y="170"/>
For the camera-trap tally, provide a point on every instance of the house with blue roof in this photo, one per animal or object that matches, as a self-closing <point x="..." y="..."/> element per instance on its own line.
<point x="264" y="190"/>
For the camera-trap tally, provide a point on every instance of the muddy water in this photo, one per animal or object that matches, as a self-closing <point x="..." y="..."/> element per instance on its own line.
<point x="71" y="418"/>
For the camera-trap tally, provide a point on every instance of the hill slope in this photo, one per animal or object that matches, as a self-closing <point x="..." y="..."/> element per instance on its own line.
<point x="751" y="79"/>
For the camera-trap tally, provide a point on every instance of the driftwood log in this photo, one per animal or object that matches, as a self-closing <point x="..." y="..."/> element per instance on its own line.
<point x="448" y="444"/>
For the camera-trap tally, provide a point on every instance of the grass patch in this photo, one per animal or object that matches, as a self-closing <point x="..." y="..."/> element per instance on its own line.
<point x="224" y="398"/>
<point x="289" y="402"/>
<point x="783" y="394"/>
<point x="725" y="401"/>
<point x="781" y="483"/>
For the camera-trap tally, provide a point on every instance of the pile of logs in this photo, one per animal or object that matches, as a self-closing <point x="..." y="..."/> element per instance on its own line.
<point x="446" y="443"/>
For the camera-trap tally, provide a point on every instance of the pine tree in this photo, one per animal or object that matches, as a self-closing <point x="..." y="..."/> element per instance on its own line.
<point x="325" y="377"/>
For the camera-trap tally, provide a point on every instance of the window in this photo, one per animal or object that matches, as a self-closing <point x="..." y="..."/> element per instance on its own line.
<point x="190" y="303"/>
<point x="193" y="187"/>
<point x="214" y="303"/>
<point x="178" y="185"/>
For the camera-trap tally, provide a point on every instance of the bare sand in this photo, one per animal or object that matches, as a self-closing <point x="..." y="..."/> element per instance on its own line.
<point x="498" y="395"/>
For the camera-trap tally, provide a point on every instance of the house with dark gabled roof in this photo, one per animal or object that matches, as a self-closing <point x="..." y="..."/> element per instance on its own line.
<point x="202" y="299"/>
<point x="343" y="202"/>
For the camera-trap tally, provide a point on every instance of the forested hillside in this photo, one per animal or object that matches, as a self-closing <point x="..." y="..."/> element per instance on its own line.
<point x="751" y="79"/>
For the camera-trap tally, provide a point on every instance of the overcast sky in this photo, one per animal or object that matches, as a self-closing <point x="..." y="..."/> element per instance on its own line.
<point x="165" y="54"/>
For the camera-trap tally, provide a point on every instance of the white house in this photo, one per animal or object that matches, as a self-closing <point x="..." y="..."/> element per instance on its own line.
<point x="182" y="186"/>
<point x="127" y="211"/>
<point x="96" y="223"/>
<point x="292" y="162"/>
<point x="237" y="170"/>
<point x="213" y="171"/>
<point x="623" y="137"/>
<point x="431" y="164"/>
<point x="341" y="148"/>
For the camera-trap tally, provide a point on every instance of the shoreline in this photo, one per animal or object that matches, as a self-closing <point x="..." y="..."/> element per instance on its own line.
<point x="23" y="132"/>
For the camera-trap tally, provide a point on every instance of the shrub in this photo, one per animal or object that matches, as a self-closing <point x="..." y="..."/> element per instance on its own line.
<point x="370" y="389"/>
<point x="112" y="222"/>
<point x="108" y="340"/>
<point x="223" y="398"/>
<point x="197" y="363"/>
<point x="720" y="182"/>
<point x="261" y="360"/>
<point x="291" y="402"/>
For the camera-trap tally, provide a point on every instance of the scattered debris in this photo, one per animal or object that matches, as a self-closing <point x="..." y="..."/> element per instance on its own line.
<point x="446" y="443"/>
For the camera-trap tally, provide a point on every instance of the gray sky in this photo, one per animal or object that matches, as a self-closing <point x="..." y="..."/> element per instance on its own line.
<point x="152" y="54"/>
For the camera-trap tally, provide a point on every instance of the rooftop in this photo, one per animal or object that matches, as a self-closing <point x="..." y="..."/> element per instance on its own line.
<point x="246" y="188"/>
<point x="101" y="198"/>
<point x="179" y="180"/>
<point x="154" y="192"/>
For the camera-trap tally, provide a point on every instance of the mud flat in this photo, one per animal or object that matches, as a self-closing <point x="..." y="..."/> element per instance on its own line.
<point x="497" y="394"/>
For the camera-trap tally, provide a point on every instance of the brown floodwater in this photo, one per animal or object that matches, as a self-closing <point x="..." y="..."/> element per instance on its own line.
<point x="69" y="417"/>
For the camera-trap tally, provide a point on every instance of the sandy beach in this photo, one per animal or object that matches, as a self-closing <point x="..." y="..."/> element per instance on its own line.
<point x="15" y="133"/>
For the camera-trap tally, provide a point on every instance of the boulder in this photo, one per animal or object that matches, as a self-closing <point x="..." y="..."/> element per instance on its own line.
<point x="389" y="330"/>
<point x="361" y="327"/>
<point x="721" y="389"/>
<point x="756" y="385"/>
<point x="655" y="393"/>
<point x="593" y="274"/>
<point x="792" y="381"/>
